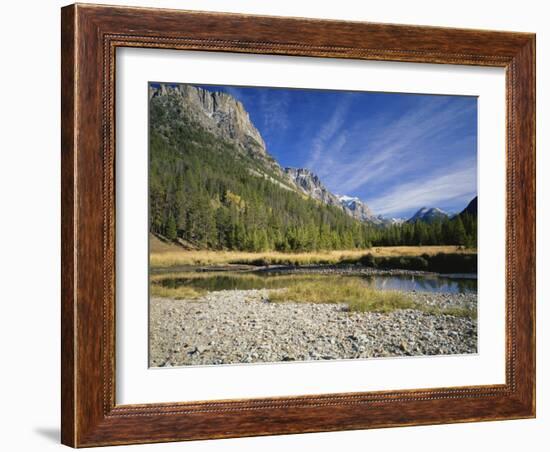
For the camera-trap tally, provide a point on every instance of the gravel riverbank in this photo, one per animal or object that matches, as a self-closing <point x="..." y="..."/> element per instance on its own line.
<point x="348" y="270"/>
<point x="242" y="326"/>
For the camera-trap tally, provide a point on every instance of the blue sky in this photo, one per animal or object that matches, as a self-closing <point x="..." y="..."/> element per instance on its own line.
<point x="396" y="152"/>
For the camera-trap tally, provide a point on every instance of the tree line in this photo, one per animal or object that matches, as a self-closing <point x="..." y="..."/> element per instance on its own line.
<point x="460" y="230"/>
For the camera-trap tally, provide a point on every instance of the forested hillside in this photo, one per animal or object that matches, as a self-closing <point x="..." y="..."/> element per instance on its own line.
<point x="203" y="191"/>
<point x="207" y="191"/>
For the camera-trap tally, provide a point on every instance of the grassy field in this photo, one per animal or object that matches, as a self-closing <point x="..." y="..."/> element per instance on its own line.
<point x="242" y="277"/>
<point x="178" y="257"/>
<point x="357" y="296"/>
<point x="177" y="293"/>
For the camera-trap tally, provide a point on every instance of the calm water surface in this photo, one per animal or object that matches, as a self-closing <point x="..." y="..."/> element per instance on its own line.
<point x="448" y="283"/>
<point x="459" y="283"/>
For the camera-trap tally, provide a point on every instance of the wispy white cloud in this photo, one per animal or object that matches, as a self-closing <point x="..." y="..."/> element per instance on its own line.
<point x="386" y="150"/>
<point x="332" y="129"/>
<point x="437" y="189"/>
<point x="274" y="111"/>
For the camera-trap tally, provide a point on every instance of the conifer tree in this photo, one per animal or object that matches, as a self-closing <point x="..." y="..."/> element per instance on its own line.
<point x="171" y="231"/>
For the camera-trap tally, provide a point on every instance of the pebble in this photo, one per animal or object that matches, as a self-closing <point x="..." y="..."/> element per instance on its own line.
<point x="240" y="326"/>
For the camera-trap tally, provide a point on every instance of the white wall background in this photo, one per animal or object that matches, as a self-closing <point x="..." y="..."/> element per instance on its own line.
<point x="29" y="226"/>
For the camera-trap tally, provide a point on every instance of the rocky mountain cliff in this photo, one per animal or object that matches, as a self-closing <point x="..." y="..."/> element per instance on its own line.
<point x="310" y="184"/>
<point x="218" y="113"/>
<point x="356" y="208"/>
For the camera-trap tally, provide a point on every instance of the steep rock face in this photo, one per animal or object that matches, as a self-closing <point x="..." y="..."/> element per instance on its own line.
<point x="217" y="112"/>
<point x="428" y="215"/>
<point x="357" y="209"/>
<point x="310" y="184"/>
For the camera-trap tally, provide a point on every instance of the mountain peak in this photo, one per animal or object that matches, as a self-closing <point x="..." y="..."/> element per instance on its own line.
<point x="346" y="198"/>
<point x="471" y="208"/>
<point x="301" y="172"/>
<point x="358" y="209"/>
<point x="428" y="215"/>
<point x="309" y="183"/>
<point x="218" y="112"/>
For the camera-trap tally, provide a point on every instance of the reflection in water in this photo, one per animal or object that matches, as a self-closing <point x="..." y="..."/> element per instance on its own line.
<point x="463" y="283"/>
<point x="230" y="281"/>
<point x="430" y="283"/>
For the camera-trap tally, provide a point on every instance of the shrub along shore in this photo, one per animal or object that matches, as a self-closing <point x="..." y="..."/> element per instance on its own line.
<point x="439" y="263"/>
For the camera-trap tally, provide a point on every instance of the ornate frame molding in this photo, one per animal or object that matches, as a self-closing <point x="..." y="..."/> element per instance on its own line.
<point x="90" y="37"/>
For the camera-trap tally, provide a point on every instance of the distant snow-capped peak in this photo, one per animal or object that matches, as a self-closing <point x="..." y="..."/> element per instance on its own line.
<point x="393" y="220"/>
<point x="346" y="198"/>
<point x="357" y="209"/>
<point x="428" y="215"/>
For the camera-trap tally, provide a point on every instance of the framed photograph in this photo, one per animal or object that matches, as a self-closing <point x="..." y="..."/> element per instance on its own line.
<point x="280" y="225"/>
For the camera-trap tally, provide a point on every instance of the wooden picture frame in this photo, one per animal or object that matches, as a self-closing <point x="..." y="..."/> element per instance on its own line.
<point x="90" y="36"/>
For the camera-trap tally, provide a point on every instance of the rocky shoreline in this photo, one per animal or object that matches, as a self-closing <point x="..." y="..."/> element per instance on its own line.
<point x="336" y="269"/>
<point x="339" y="269"/>
<point x="243" y="326"/>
